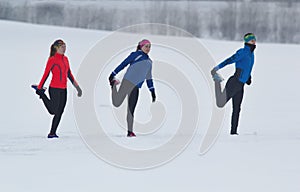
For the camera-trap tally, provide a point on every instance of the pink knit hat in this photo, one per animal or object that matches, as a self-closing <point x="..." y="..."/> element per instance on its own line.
<point x="144" y="42"/>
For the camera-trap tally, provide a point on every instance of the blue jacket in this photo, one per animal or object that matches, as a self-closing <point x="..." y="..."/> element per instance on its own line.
<point x="244" y="60"/>
<point x="140" y="69"/>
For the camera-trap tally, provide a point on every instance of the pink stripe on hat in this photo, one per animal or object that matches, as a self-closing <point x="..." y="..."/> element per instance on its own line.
<point x="144" y="42"/>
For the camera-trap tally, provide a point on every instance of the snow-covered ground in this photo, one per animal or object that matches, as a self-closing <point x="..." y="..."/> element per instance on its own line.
<point x="265" y="157"/>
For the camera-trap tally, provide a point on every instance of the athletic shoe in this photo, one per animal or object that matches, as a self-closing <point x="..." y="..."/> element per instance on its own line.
<point x="50" y="136"/>
<point x="217" y="77"/>
<point x="37" y="91"/>
<point x="35" y="87"/>
<point x="131" y="134"/>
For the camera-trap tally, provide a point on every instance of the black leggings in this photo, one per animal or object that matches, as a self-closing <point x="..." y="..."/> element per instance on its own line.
<point x="55" y="105"/>
<point x="234" y="89"/>
<point x="118" y="96"/>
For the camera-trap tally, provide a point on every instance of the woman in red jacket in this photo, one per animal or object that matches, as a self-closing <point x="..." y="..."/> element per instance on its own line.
<point x="58" y="65"/>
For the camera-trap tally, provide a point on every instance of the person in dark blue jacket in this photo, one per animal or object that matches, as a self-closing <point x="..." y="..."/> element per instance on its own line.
<point x="234" y="88"/>
<point x="139" y="70"/>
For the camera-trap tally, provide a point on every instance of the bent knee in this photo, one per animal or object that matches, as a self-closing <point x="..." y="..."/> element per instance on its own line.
<point x="221" y="104"/>
<point x="116" y="104"/>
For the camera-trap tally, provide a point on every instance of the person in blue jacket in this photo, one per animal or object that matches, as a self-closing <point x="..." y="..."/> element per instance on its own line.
<point x="234" y="88"/>
<point x="139" y="70"/>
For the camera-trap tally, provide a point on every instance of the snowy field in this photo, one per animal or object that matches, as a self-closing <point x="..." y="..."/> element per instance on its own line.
<point x="264" y="157"/>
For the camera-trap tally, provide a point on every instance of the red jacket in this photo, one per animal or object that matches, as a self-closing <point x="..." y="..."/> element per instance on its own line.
<point x="60" y="68"/>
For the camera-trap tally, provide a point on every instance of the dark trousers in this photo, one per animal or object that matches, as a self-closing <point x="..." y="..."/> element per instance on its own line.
<point x="234" y="89"/>
<point x="55" y="105"/>
<point x="118" y="96"/>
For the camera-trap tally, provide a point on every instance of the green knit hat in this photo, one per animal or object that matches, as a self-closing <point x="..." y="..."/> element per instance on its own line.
<point x="248" y="37"/>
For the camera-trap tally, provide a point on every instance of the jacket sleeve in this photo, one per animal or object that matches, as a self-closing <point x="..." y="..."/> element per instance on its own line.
<point x="71" y="76"/>
<point x="72" y="79"/>
<point x="46" y="73"/>
<point x="234" y="58"/>
<point x="150" y="81"/>
<point x="127" y="61"/>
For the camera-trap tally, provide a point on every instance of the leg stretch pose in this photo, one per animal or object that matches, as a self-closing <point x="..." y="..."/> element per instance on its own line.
<point x="139" y="70"/>
<point x="55" y="106"/>
<point x="132" y="92"/>
<point x="58" y="65"/>
<point x="234" y="88"/>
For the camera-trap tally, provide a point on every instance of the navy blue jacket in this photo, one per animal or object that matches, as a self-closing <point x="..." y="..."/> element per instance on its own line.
<point x="140" y="69"/>
<point x="244" y="60"/>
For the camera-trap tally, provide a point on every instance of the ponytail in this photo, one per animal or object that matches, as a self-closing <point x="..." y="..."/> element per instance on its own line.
<point x="138" y="47"/>
<point x="53" y="50"/>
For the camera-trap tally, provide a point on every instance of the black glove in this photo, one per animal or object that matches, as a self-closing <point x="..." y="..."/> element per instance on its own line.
<point x="111" y="78"/>
<point x="79" y="91"/>
<point x="213" y="71"/>
<point x="153" y="96"/>
<point x="248" y="82"/>
<point x="40" y="92"/>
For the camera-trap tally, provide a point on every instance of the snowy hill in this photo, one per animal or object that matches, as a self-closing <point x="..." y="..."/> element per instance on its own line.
<point x="265" y="157"/>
